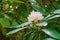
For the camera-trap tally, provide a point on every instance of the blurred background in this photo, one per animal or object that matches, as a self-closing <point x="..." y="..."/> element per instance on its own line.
<point x="15" y="12"/>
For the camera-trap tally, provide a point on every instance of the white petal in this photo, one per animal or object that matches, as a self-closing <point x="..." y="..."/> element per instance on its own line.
<point x="35" y="15"/>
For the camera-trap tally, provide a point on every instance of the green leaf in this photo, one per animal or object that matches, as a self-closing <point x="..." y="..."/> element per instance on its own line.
<point x="4" y="22"/>
<point x="51" y="32"/>
<point x="16" y="30"/>
<point x="48" y="16"/>
<point x="56" y="5"/>
<point x="26" y="36"/>
<point x="50" y="8"/>
<point x="21" y="37"/>
<point x="11" y="20"/>
<point x="36" y="36"/>
<point x="31" y="36"/>
<point x="38" y="8"/>
<point x="19" y="26"/>
<point x="0" y="2"/>
<point x="42" y="24"/>
<point x="52" y="17"/>
<point x="23" y="12"/>
<point x="39" y="37"/>
<point x="17" y="1"/>
<point x="57" y="11"/>
<point x="49" y="39"/>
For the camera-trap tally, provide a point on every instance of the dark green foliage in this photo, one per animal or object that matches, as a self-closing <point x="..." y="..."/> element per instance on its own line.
<point x="14" y="13"/>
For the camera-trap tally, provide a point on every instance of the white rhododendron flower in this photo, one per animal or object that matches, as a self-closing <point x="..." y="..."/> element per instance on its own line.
<point x="35" y="16"/>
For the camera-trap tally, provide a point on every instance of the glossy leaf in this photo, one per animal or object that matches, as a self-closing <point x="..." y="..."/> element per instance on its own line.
<point x="38" y="8"/>
<point x="19" y="26"/>
<point x="42" y="24"/>
<point x="52" y="32"/>
<point x="57" y="11"/>
<point x="16" y="30"/>
<point x="53" y="17"/>
<point x="31" y="36"/>
<point x="48" y="16"/>
<point x="49" y="39"/>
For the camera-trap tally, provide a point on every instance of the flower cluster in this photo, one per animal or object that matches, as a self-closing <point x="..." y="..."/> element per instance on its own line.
<point x="35" y="16"/>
